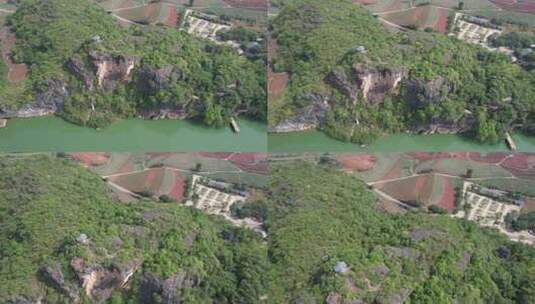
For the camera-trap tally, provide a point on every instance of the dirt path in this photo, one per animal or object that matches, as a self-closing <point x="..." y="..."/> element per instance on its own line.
<point x="169" y="168"/>
<point x="114" y="185"/>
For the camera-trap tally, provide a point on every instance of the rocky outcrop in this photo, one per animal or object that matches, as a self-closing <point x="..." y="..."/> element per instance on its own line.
<point x="373" y="83"/>
<point x="151" y="80"/>
<point x="307" y="118"/>
<point x="77" y="66"/>
<point x="111" y="69"/>
<point x="98" y="282"/>
<point x="376" y="82"/>
<point x="419" y="93"/>
<point x="443" y="126"/>
<point x="169" y="290"/>
<point x="334" y="298"/>
<point x="48" y="100"/>
<point x="54" y="277"/>
<point x="105" y="69"/>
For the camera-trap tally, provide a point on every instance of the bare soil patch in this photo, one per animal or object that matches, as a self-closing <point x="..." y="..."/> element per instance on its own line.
<point x="447" y="200"/>
<point x="362" y="162"/>
<point x="251" y="162"/>
<point x="178" y="189"/>
<point x="522" y="6"/>
<point x="90" y="159"/>
<point x="172" y="16"/>
<point x="16" y="72"/>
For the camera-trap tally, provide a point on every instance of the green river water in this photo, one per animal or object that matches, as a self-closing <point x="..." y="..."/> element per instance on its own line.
<point x="315" y="141"/>
<point x="45" y="134"/>
<point x="50" y="133"/>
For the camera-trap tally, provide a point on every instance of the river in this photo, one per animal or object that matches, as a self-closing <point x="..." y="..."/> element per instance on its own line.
<point x="44" y="134"/>
<point x="315" y="141"/>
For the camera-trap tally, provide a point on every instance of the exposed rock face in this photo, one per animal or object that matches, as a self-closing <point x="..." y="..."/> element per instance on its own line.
<point x="307" y="118"/>
<point x="375" y="82"/>
<point x="55" y="278"/>
<point x="106" y="69"/>
<point x="340" y="81"/>
<point x="99" y="282"/>
<point x="48" y="101"/>
<point x="372" y="82"/>
<point x="397" y="298"/>
<point x="334" y="298"/>
<point x="419" y="93"/>
<point x="110" y="69"/>
<point x="150" y="80"/>
<point x="170" y="290"/>
<point x="442" y="126"/>
<point x="402" y="252"/>
<point x="77" y="66"/>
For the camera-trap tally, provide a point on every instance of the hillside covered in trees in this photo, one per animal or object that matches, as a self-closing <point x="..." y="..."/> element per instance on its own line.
<point x="329" y="243"/>
<point x="66" y="240"/>
<point x="89" y="70"/>
<point x="355" y="79"/>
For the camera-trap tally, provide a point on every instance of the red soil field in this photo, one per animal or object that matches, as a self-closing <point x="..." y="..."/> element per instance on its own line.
<point x="412" y="189"/>
<point x="16" y="72"/>
<point x="442" y="23"/>
<point x="127" y="166"/>
<point x="277" y="83"/>
<point x="91" y="158"/>
<point x="159" y="154"/>
<point x="172" y="17"/>
<point x="490" y="158"/>
<point x="523" y="6"/>
<point x="150" y="180"/>
<point x="447" y="201"/>
<point x="426" y="156"/>
<point x="363" y="162"/>
<point x="251" y="162"/>
<point x="218" y="155"/>
<point x="521" y="165"/>
<point x="518" y="161"/>
<point x="248" y="4"/>
<point x="394" y="172"/>
<point x="177" y="192"/>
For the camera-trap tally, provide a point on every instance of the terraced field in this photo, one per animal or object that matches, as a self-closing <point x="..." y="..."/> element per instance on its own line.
<point x="432" y="178"/>
<point x="422" y="17"/>
<point x="133" y="175"/>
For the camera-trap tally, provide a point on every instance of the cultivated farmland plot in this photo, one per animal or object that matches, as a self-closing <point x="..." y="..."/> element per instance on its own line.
<point x="132" y="175"/>
<point x="434" y="178"/>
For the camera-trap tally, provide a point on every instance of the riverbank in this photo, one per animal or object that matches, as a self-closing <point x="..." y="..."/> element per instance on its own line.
<point x="315" y="141"/>
<point x="49" y="133"/>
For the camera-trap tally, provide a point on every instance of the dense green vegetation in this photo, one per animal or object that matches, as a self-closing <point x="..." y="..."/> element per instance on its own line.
<point x="515" y="40"/>
<point x="209" y="82"/>
<point x="45" y="203"/>
<point x="525" y="221"/>
<point x="315" y="217"/>
<point x="319" y="217"/>
<point x="316" y="37"/>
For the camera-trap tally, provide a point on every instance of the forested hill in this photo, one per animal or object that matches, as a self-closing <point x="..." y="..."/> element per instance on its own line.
<point x="355" y="79"/>
<point x="90" y="70"/>
<point x="64" y="240"/>
<point x="329" y="244"/>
